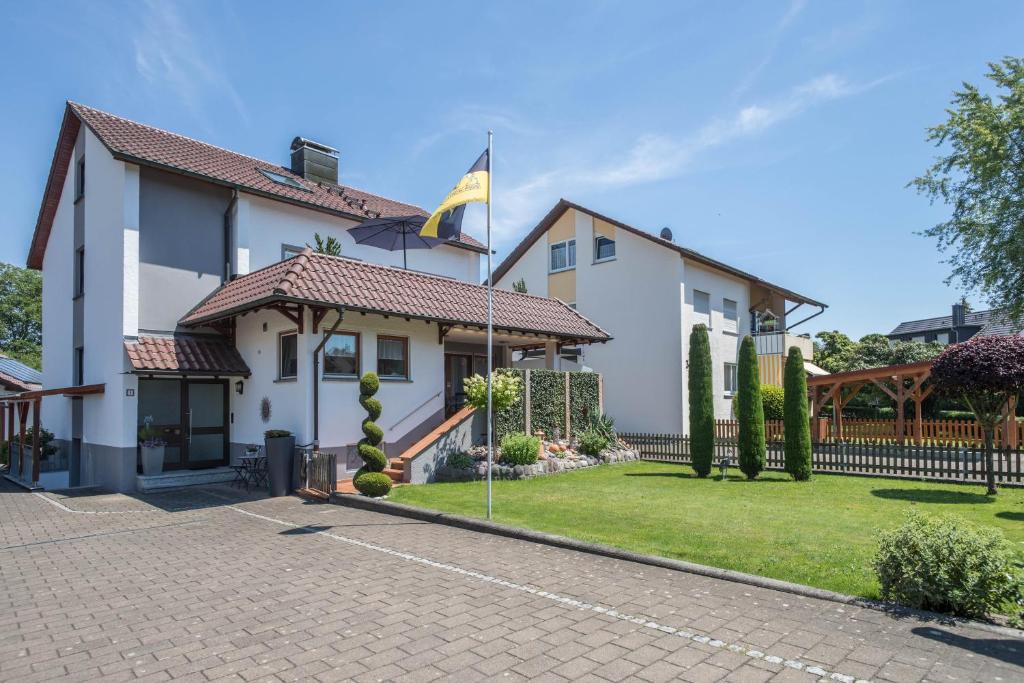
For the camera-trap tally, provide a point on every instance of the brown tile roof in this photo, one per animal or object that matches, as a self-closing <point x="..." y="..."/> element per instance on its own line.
<point x="185" y="354"/>
<point x="140" y="144"/>
<point x="11" y="383"/>
<point x="357" y="285"/>
<point x="564" y="204"/>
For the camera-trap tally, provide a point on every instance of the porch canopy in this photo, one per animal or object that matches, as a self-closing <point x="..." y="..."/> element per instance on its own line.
<point x="324" y="283"/>
<point x="188" y="355"/>
<point x="901" y="383"/>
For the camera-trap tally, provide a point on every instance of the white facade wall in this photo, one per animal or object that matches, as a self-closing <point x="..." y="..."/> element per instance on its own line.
<point x="406" y="403"/>
<point x="265" y="225"/>
<point x="111" y="222"/>
<point x="58" y="315"/>
<point x="532" y="268"/>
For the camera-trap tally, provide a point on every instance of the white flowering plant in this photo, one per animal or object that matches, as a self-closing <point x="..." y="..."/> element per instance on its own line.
<point x="505" y="391"/>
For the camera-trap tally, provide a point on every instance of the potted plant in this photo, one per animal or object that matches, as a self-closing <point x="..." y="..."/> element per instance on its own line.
<point x="280" y="450"/>
<point x="152" y="448"/>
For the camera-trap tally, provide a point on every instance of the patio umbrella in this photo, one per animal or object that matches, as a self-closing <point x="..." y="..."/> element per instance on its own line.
<point x="393" y="233"/>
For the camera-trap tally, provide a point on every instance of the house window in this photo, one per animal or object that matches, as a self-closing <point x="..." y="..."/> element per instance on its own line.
<point x="701" y="307"/>
<point x="942" y="337"/>
<point x="78" y="367"/>
<point x="79" y="288"/>
<point x="287" y="355"/>
<point x="730" y="378"/>
<point x="392" y="357"/>
<point x="290" y="250"/>
<point x="282" y="179"/>
<point x="604" y="248"/>
<point x="80" y="179"/>
<point x="563" y="255"/>
<point x="731" y="315"/>
<point x="341" y="355"/>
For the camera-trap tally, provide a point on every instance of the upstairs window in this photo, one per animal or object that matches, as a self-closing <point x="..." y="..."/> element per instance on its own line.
<point x="80" y="179"/>
<point x="290" y="250"/>
<point x="78" y="366"/>
<point x="731" y="314"/>
<point x="701" y="307"/>
<point x="288" y="355"/>
<point x="79" y="287"/>
<point x="563" y="255"/>
<point x="731" y="378"/>
<point x="392" y="357"/>
<point x="341" y="355"/>
<point x="282" y="179"/>
<point x="604" y="248"/>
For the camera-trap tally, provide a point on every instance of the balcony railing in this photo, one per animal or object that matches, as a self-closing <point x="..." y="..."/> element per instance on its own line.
<point x="778" y="344"/>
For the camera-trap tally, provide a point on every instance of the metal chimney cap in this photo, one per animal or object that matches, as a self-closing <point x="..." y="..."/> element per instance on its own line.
<point x="300" y="142"/>
<point x="666" y="234"/>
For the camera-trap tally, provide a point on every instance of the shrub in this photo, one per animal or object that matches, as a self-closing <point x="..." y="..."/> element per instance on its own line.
<point x="460" y="461"/>
<point x="276" y="433"/>
<point x="605" y="426"/>
<point x="592" y="442"/>
<point x="751" y="411"/>
<point x="547" y="401"/>
<point x="512" y="418"/>
<point x="702" y="402"/>
<point x="519" y="449"/>
<point x="584" y="400"/>
<point x="944" y="564"/>
<point x="373" y="484"/>
<point x="772" y="402"/>
<point x="797" y="422"/>
<point x="370" y="480"/>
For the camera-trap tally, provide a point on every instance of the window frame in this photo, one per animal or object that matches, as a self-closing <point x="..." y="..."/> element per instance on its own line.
<point x="282" y="179"/>
<point x="730" y="371"/>
<point x="730" y="324"/>
<point x="565" y="244"/>
<point x="80" y="178"/>
<point x="359" y="355"/>
<point x="78" y="366"/>
<point x="405" y="358"/>
<point x="281" y="377"/>
<point x="702" y="317"/>
<point x="78" y="286"/>
<point x="597" y="240"/>
<point x="286" y="248"/>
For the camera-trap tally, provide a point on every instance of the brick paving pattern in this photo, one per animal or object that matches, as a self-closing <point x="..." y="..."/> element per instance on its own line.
<point x="214" y="584"/>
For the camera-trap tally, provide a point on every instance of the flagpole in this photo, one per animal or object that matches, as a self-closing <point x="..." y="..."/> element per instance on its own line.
<point x="490" y="322"/>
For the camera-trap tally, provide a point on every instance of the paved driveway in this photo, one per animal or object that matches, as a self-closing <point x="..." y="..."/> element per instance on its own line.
<point x="211" y="584"/>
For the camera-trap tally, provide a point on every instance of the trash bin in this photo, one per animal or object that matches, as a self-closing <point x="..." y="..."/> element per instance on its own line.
<point x="280" y="455"/>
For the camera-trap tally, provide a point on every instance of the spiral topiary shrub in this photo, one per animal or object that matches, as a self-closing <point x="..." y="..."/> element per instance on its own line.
<point x="370" y="480"/>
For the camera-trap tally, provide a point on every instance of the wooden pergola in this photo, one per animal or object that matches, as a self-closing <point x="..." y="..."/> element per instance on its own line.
<point x="901" y="383"/>
<point x="19" y="404"/>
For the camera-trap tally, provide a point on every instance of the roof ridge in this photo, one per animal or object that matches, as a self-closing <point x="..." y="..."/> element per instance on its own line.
<point x="293" y="273"/>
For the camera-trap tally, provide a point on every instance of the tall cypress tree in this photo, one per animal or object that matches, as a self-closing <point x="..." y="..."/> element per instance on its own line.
<point x="796" y="420"/>
<point x="702" y="402"/>
<point x="750" y="411"/>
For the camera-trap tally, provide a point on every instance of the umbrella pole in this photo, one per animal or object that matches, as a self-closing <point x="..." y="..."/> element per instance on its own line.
<point x="405" y="254"/>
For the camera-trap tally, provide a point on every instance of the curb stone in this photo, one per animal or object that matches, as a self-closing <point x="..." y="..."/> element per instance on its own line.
<point x="483" y="526"/>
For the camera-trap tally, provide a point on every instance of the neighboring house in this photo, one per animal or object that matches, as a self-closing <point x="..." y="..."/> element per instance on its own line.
<point x="16" y="377"/>
<point x="960" y="325"/>
<point x="175" y="275"/>
<point x="651" y="292"/>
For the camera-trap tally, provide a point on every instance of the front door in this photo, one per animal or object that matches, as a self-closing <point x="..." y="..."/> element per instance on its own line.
<point x="191" y="416"/>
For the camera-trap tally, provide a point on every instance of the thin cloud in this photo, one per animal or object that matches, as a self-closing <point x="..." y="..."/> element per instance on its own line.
<point x="171" y="57"/>
<point x="652" y="158"/>
<point x="775" y="39"/>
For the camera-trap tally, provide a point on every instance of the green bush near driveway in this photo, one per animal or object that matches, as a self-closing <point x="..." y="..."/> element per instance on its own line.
<point x="592" y="442"/>
<point x="820" y="533"/>
<point x="519" y="449"/>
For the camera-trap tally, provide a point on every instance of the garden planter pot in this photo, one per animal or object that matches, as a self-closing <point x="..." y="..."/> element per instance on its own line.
<point x="280" y="454"/>
<point x="152" y="460"/>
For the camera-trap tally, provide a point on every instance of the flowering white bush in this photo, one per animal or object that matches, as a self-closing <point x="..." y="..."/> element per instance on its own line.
<point x="505" y="391"/>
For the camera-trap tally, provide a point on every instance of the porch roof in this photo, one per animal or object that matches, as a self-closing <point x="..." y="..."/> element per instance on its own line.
<point x="185" y="355"/>
<point x="323" y="281"/>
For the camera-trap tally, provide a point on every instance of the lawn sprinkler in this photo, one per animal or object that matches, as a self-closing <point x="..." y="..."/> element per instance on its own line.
<point x="723" y="467"/>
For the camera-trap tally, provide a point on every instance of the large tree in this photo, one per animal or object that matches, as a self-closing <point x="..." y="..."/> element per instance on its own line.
<point x="750" y="411"/>
<point x="979" y="175"/>
<point x="21" y="314"/>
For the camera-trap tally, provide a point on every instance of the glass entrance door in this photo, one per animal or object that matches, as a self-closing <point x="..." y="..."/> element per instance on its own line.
<point x="191" y="416"/>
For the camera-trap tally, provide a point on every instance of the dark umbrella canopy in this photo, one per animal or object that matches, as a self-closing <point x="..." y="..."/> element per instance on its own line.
<point x="394" y="233"/>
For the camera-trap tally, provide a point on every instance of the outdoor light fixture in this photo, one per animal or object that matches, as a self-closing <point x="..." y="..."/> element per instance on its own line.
<point x="239" y="387"/>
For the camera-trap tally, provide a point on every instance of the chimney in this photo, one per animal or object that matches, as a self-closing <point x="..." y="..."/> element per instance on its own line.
<point x="314" y="162"/>
<point x="959" y="315"/>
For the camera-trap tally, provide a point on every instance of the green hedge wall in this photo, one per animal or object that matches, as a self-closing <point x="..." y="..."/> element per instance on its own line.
<point x="584" y="399"/>
<point x="547" y="399"/>
<point x="512" y="419"/>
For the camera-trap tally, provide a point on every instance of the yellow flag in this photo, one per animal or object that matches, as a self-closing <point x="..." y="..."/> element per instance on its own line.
<point x="446" y="221"/>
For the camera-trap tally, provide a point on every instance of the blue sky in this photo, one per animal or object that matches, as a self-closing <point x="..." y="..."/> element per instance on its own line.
<point x="775" y="136"/>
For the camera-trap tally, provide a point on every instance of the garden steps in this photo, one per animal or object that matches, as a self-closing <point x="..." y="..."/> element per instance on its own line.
<point x="396" y="475"/>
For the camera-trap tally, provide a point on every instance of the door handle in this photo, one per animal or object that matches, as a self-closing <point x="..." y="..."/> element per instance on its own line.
<point x="189" y="426"/>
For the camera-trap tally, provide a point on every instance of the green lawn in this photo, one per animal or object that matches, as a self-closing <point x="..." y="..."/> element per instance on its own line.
<point x="818" y="533"/>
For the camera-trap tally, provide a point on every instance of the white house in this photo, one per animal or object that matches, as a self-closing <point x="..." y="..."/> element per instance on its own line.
<point x="177" y="286"/>
<point x="651" y="292"/>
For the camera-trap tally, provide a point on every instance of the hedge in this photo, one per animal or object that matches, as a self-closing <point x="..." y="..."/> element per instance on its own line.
<point x="547" y="401"/>
<point x="584" y="399"/>
<point x="512" y="419"/>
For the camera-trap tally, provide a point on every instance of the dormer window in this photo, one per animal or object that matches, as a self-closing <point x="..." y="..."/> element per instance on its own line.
<point x="604" y="248"/>
<point x="282" y="179"/>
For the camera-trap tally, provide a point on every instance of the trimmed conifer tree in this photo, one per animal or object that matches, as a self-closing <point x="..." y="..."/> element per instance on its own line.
<point x="750" y="411"/>
<point x="797" y="422"/>
<point x="702" y="402"/>
<point x="370" y="478"/>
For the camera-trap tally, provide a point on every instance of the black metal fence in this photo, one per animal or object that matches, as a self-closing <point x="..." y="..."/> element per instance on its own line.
<point x="936" y="462"/>
<point x="318" y="471"/>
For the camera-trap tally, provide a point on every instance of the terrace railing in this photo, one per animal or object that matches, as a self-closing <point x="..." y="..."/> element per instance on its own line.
<point x="933" y="432"/>
<point x="937" y="461"/>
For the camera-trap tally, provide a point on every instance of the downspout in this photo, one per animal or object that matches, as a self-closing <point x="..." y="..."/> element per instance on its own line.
<point x="316" y="377"/>
<point x="821" y="309"/>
